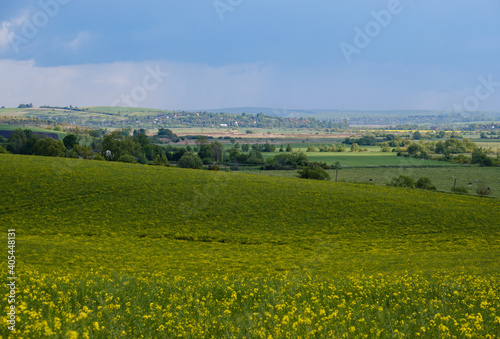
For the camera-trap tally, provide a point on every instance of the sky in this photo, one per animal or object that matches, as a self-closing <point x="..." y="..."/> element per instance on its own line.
<point x="285" y="54"/>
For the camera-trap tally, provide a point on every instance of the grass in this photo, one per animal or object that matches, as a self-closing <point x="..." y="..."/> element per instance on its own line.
<point x="442" y="177"/>
<point x="119" y="250"/>
<point x="363" y="159"/>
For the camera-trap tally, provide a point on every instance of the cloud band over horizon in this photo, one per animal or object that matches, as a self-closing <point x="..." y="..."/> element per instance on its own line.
<point x="385" y="55"/>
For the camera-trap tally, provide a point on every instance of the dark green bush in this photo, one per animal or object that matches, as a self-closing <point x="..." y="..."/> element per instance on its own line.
<point x="402" y="181"/>
<point x="425" y="183"/>
<point x="316" y="173"/>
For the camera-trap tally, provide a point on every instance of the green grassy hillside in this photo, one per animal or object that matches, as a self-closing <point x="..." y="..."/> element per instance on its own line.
<point x="117" y="250"/>
<point x="64" y="203"/>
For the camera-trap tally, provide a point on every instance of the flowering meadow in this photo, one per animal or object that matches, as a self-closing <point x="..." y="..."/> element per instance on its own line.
<point x="112" y="250"/>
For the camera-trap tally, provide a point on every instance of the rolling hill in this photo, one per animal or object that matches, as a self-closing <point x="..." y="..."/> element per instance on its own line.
<point x="108" y="250"/>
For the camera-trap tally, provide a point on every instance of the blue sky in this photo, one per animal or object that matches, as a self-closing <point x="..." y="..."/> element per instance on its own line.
<point x="196" y="54"/>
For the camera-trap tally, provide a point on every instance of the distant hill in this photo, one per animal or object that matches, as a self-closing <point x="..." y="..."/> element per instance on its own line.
<point x="255" y="117"/>
<point x="336" y="113"/>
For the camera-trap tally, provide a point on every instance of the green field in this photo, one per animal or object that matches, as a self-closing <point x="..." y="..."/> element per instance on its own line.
<point x="108" y="250"/>
<point x="442" y="177"/>
<point x="364" y="159"/>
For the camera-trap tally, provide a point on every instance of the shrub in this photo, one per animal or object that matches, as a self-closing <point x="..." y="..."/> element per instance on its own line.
<point x="98" y="157"/>
<point x="459" y="190"/>
<point x="402" y="181"/>
<point x="2" y="149"/>
<point x="127" y="158"/>
<point x="287" y="161"/>
<point x="482" y="189"/>
<point x="316" y="173"/>
<point x="160" y="160"/>
<point x="425" y="183"/>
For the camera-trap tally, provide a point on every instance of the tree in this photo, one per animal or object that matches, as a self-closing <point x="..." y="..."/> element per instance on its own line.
<point x="115" y="144"/>
<point x="126" y="131"/>
<point x="49" y="147"/>
<point x="384" y="147"/>
<point x="282" y="149"/>
<point x="147" y="148"/>
<point x="245" y="147"/>
<point x="254" y="157"/>
<point x="70" y="140"/>
<point x="190" y="160"/>
<point x="81" y="151"/>
<point x="22" y="142"/>
<point x="268" y="147"/>
<point x="480" y="157"/>
<point x="289" y="148"/>
<point x="142" y="159"/>
<point x="355" y="147"/>
<point x="440" y="147"/>
<point x="168" y="134"/>
<point x="417" y="135"/>
<point x="160" y="160"/>
<point x="217" y="149"/>
<point x="414" y="149"/>
<point x="16" y="141"/>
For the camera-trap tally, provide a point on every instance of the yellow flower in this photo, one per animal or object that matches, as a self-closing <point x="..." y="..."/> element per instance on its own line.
<point x="72" y="334"/>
